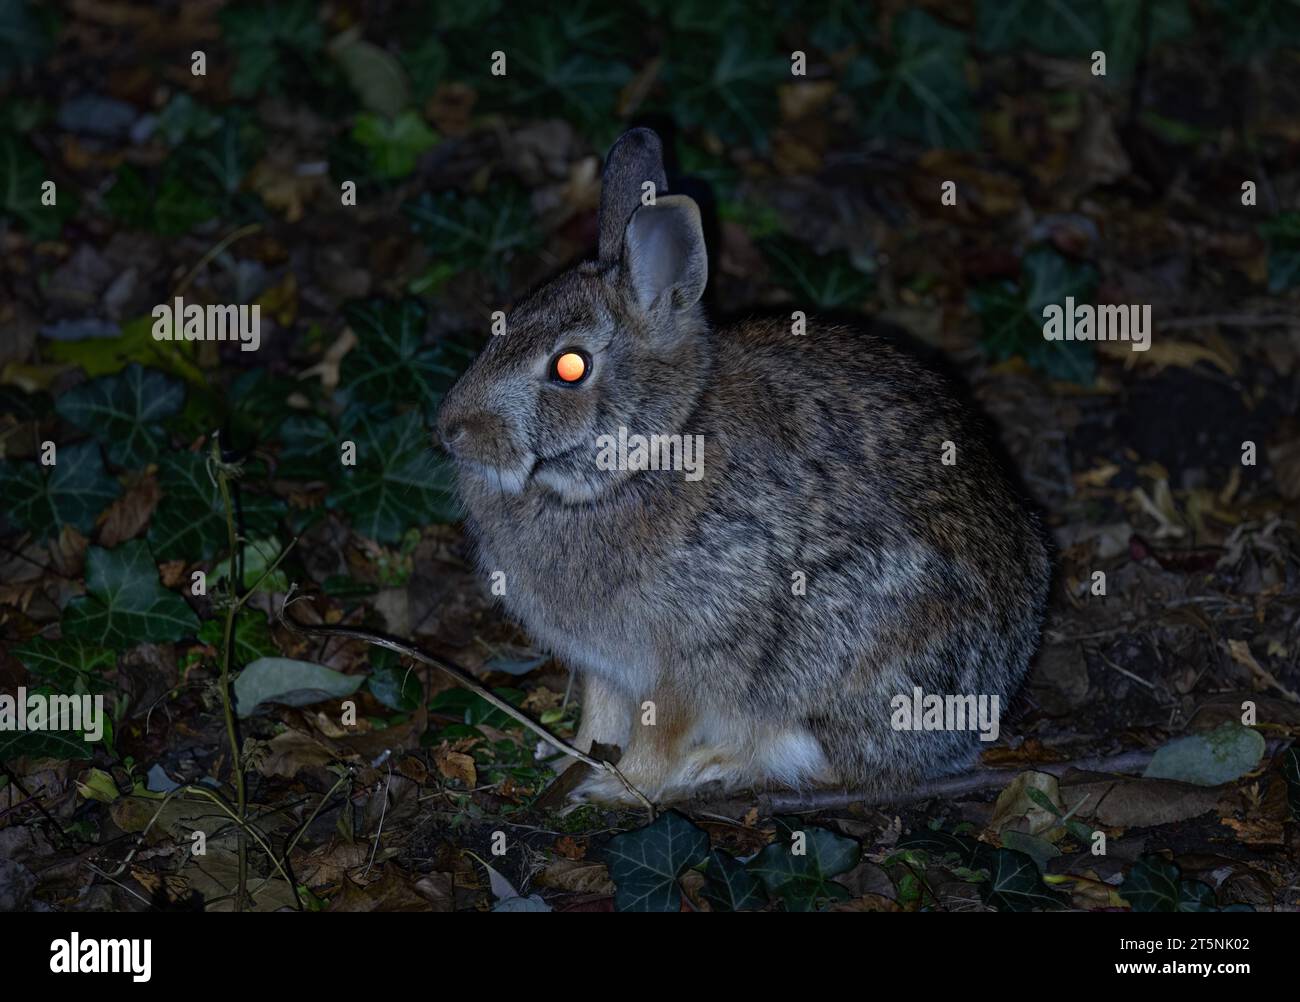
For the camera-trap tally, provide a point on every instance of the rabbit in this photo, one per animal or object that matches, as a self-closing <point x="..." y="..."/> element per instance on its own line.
<point x="762" y="622"/>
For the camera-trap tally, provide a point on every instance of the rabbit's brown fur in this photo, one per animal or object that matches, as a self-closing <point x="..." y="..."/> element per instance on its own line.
<point x="822" y="455"/>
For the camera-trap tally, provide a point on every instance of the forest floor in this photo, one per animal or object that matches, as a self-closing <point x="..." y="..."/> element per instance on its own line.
<point x="1172" y="473"/>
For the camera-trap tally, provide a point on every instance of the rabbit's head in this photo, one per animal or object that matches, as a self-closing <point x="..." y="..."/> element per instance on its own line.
<point x="615" y="342"/>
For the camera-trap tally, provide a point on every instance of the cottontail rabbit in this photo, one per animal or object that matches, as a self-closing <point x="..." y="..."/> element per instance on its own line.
<point x="762" y="617"/>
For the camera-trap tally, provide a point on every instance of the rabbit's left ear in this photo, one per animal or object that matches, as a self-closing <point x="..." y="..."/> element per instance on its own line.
<point x="664" y="253"/>
<point x="637" y="158"/>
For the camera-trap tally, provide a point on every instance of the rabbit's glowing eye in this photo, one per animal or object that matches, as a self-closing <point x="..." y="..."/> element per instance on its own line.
<point x="571" y="367"/>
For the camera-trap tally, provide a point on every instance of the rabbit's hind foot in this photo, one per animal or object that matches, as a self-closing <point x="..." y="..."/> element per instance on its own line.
<point x="786" y="758"/>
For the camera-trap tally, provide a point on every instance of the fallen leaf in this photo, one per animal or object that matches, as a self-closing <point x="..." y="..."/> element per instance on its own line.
<point x="576" y="876"/>
<point x="129" y="515"/>
<point x="456" y="765"/>
<point x="291" y="752"/>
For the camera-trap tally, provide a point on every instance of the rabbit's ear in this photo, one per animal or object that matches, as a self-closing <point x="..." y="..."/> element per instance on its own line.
<point x="664" y="252"/>
<point x="636" y="158"/>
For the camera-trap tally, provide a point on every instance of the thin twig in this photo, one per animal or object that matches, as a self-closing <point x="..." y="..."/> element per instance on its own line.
<point x="956" y="786"/>
<point x="221" y="245"/>
<point x="379" y="830"/>
<point x="463" y="677"/>
<point x="227" y="644"/>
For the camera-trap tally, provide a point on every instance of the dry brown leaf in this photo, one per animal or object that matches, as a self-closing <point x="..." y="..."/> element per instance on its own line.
<point x="569" y="847"/>
<point x="456" y="765"/>
<point x="290" y="752"/>
<point x="330" y="862"/>
<point x="1165" y="353"/>
<point x="1135" y="803"/>
<point x="393" y="892"/>
<point x="413" y="769"/>
<point x="128" y="516"/>
<point x="172" y="572"/>
<point x="578" y="876"/>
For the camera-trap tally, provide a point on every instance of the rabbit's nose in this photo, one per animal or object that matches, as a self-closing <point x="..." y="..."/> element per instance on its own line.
<point x="452" y="433"/>
<point x="459" y="430"/>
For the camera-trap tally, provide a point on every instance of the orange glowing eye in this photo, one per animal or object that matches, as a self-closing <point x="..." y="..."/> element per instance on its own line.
<point x="571" y="367"/>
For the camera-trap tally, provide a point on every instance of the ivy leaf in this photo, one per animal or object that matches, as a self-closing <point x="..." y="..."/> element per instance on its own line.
<point x="728" y="85"/>
<point x="1156" y="885"/>
<point x="1196" y="896"/>
<point x="22" y="173"/>
<point x="1055" y="27"/>
<point x="66" y="745"/>
<point x="293" y="683"/>
<point x="190" y="522"/>
<point x="969" y="853"/>
<point x="646" y="863"/>
<point x="264" y="36"/>
<point x="309" y="442"/>
<point x="729" y="887"/>
<point x="392" y="145"/>
<point x="1015" y="886"/>
<point x="217" y="166"/>
<point x="564" y="64"/>
<point x="125" y="604"/>
<point x="171" y="207"/>
<point x="1012" y="316"/>
<point x="70" y="664"/>
<point x="43" y="499"/>
<point x="474" y="232"/>
<point x="426" y="64"/>
<point x="803" y="881"/>
<point x="920" y="92"/>
<point x="391" y="362"/>
<point x="1152" y="885"/>
<point x="828" y="281"/>
<point x="252" y="637"/>
<point x="398" y="481"/>
<point x="125" y="412"/>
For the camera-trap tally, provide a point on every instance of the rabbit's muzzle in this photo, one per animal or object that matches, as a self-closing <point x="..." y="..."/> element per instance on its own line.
<point x="484" y="442"/>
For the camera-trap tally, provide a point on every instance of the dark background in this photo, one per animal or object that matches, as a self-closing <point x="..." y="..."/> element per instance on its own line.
<point x="823" y="193"/>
